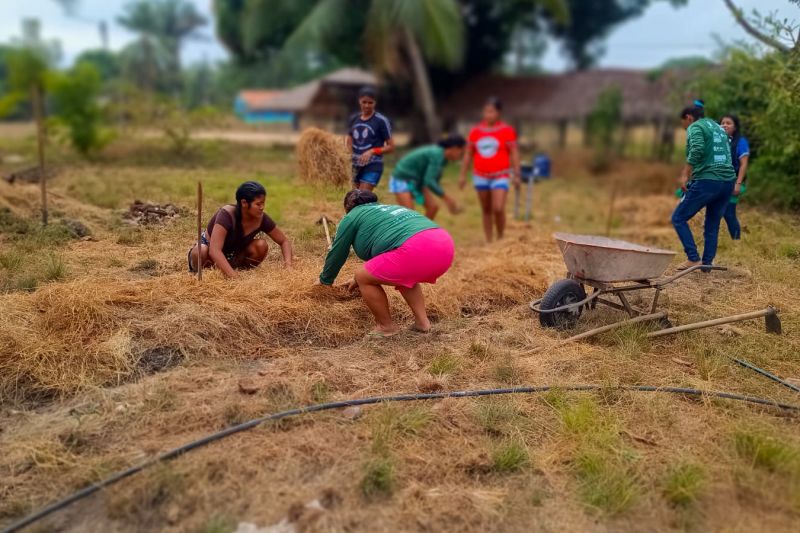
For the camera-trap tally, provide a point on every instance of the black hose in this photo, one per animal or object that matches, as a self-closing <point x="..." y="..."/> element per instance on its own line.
<point x="764" y="373"/>
<point x="172" y="454"/>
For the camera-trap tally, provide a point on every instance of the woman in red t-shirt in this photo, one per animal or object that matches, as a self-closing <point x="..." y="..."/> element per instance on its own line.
<point x="492" y="146"/>
<point x="230" y="242"/>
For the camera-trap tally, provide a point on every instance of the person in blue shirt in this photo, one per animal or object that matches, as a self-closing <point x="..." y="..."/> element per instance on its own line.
<point x="740" y="153"/>
<point x="369" y="136"/>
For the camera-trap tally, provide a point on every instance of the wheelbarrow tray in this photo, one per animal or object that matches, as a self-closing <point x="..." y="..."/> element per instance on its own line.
<point x="607" y="260"/>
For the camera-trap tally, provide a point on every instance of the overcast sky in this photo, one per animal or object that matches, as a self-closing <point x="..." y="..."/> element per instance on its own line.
<point x="662" y="33"/>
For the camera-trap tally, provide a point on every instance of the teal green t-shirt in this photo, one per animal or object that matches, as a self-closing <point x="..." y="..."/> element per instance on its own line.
<point x="423" y="168"/>
<point x="708" y="150"/>
<point x="371" y="229"/>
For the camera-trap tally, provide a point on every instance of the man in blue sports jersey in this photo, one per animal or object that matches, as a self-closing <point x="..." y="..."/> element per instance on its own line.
<point x="369" y="136"/>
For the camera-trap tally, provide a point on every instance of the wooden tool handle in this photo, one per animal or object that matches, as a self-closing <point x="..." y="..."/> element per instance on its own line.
<point x="199" y="231"/>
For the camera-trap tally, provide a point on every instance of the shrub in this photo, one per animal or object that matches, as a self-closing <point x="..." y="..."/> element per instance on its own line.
<point x="76" y="95"/>
<point x="762" y="90"/>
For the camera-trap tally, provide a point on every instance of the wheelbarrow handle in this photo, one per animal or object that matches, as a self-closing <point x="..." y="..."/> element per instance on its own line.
<point x="665" y="281"/>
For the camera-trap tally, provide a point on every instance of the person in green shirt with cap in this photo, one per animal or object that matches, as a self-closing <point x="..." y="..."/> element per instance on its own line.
<point x="710" y="167"/>
<point x="401" y="248"/>
<point x="418" y="174"/>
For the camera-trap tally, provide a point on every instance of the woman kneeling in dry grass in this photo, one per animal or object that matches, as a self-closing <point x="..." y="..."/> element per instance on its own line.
<point x="401" y="248"/>
<point x="230" y="242"/>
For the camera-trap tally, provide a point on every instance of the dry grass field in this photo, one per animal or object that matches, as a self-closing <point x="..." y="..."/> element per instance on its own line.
<point x="110" y="353"/>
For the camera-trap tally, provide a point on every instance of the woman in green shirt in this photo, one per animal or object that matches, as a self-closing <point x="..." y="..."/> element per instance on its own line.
<point x="418" y="173"/>
<point x="401" y="248"/>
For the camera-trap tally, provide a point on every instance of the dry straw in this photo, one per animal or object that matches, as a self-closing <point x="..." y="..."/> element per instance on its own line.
<point x="69" y="336"/>
<point x="322" y="158"/>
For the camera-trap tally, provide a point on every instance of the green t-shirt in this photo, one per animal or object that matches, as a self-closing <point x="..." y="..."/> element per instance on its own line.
<point x="422" y="167"/>
<point x="708" y="150"/>
<point x="371" y="229"/>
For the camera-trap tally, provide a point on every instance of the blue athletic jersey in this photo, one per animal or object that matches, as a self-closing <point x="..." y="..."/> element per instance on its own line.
<point x="367" y="134"/>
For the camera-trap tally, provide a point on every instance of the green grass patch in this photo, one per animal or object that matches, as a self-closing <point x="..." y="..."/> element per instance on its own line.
<point x="789" y="251"/>
<point x="763" y="450"/>
<point x="604" y="467"/>
<point x="378" y="479"/>
<point x="683" y="483"/>
<point x="55" y="268"/>
<point x="608" y="481"/>
<point x="11" y="223"/>
<point x="497" y="416"/>
<point x="580" y="417"/>
<point x="443" y="364"/>
<point x="478" y="351"/>
<point x="11" y="261"/>
<point x="393" y="422"/>
<point x="510" y="457"/>
<point x="630" y="341"/>
<point x="708" y="360"/>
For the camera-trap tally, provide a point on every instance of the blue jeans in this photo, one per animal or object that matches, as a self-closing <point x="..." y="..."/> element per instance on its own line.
<point x="714" y="196"/>
<point x="734" y="228"/>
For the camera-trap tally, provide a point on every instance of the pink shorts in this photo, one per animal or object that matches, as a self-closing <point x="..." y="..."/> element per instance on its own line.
<point x="421" y="259"/>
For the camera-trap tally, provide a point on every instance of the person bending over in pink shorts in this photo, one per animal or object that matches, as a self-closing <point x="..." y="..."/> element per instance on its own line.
<point x="401" y="248"/>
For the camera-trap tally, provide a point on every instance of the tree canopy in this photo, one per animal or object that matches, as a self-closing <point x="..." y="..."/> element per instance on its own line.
<point x="590" y="22"/>
<point x="259" y="29"/>
<point x="163" y="27"/>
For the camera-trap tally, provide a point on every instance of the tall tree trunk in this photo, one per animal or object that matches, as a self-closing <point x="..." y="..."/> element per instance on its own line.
<point x="38" y="113"/>
<point x="422" y="86"/>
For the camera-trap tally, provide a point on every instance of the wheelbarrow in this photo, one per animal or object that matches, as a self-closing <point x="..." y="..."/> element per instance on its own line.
<point x="611" y="269"/>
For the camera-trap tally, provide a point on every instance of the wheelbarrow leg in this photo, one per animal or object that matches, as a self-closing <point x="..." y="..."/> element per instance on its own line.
<point x="593" y="303"/>
<point x="628" y="308"/>
<point x="654" y="303"/>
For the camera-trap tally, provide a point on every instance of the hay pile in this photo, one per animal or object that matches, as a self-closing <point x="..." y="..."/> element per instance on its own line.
<point x="71" y="336"/>
<point x="323" y="159"/>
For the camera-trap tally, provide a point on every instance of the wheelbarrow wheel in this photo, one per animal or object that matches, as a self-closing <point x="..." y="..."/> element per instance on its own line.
<point x="560" y="293"/>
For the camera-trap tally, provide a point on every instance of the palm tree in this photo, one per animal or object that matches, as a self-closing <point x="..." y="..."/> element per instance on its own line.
<point x="167" y="22"/>
<point x="398" y="39"/>
<point x="401" y="37"/>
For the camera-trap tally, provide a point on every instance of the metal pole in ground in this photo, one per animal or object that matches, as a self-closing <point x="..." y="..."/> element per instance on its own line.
<point x="529" y="198"/>
<point x="38" y="112"/>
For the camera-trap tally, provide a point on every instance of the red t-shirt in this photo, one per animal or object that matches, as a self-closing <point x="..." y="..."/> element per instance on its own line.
<point x="490" y="147"/>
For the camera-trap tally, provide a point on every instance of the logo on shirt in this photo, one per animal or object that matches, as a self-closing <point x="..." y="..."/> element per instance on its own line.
<point x="361" y="132"/>
<point x="487" y="147"/>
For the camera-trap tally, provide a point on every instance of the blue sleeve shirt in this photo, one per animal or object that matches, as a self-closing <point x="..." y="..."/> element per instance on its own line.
<point x="368" y="134"/>
<point x="742" y="150"/>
